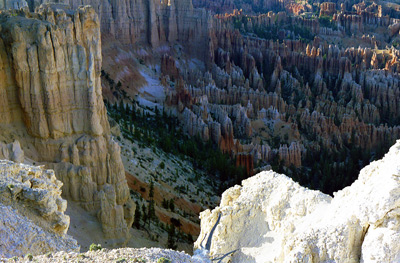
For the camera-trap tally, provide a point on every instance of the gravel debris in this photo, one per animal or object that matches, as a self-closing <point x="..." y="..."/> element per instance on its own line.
<point x="121" y="255"/>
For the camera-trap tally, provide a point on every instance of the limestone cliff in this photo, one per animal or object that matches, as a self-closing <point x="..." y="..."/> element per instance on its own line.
<point x="270" y="218"/>
<point x="151" y="22"/>
<point x="51" y="102"/>
<point x="32" y="212"/>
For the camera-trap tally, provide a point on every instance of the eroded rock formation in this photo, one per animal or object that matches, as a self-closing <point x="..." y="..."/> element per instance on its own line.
<point x="327" y="96"/>
<point x="271" y="218"/>
<point x="32" y="218"/>
<point x="151" y="22"/>
<point x="51" y="102"/>
<point x="327" y="9"/>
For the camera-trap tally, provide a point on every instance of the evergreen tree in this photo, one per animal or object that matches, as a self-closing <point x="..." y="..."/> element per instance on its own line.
<point x="144" y="211"/>
<point x="137" y="216"/>
<point x="151" y="214"/>
<point x="137" y="133"/>
<point x="172" y="205"/>
<point x="121" y="108"/>
<point x="164" y="203"/>
<point x="171" y="241"/>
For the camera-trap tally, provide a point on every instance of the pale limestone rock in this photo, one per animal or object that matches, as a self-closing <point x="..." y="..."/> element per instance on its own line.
<point x="272" y="219"/>
<point x="31" y="188"/>
<point x="257" y="215"/>
<point x="25" y="237"/>
<point x="12" y="152"/>
<point x="32" y="211"/>
<point x="111" y="215"/>
<point x="381" y="242"/>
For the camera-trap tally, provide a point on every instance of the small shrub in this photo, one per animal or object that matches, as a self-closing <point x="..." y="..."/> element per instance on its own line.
<point x="163" y="260"/>
<point x="162" y="165"/>
<point x="94" y="247"/>
<point x="29" y="257"/>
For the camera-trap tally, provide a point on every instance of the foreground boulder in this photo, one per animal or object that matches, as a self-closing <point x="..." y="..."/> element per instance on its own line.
<point x="32" y="218"/>
<point x="273" y="219"/>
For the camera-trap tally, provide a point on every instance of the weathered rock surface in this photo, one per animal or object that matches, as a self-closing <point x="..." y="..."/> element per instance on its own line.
<point x="13" y="4"/>
<point x="51" y="100"/>
<point x="273" y="219"/>
<point x="32" y="218"/>
<point x="151" y="22"/>
<point x="327" y="9"/>
<point x="12" y="152"/>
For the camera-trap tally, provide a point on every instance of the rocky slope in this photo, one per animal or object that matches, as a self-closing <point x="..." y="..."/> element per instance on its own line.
<point x="51" y="103"/>
<point x="32" y="222"/>
<point x="272" y="219"/>
<point x="32" y="212"/>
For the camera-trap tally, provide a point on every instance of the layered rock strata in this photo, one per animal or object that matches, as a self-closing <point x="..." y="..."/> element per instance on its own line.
<point x="271" y="218"/>
<point x="32" y="218"/>
<point x="51" y="102"/>
<point x="151" y="22"/>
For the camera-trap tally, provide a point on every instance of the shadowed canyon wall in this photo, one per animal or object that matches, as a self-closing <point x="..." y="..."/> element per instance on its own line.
<point x="152" y="22"/>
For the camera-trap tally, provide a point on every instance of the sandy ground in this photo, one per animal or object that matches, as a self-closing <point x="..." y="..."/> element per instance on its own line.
<point x="153" y="91"/>
<point x="85" y="228"/>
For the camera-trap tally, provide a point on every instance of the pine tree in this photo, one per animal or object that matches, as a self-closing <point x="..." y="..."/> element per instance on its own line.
<point x="164" y="203"/>
<point x="137" y="133"/>
<point x="171" y="237"/>
<point x="121" y="108"/>
<point x="172" y="205"/>
<point x="144" y="211"/>
<point x="151" y="214"/>
<point x="137" y="216"/>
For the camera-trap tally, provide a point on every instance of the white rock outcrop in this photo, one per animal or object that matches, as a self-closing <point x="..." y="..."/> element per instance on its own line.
<point x="32" y="218"/>
<point x="270" y="218"/>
